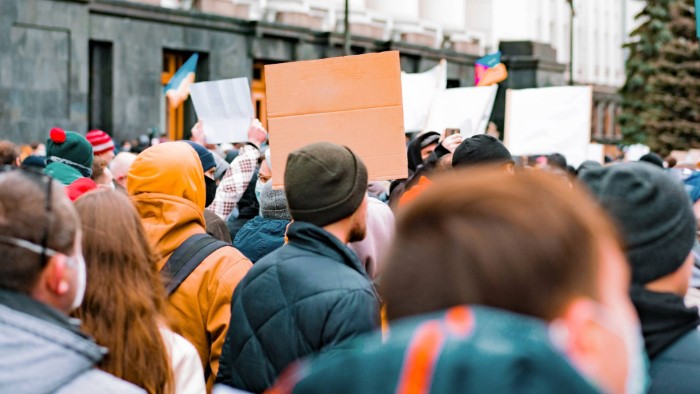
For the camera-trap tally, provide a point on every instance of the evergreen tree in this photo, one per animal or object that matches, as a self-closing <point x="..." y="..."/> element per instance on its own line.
<point x="647" y="41"/>
<point x="673" y="119"/>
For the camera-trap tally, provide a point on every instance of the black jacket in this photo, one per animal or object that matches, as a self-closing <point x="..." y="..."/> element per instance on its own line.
<point x="309" y="296"/>
<point x="672" y="341"/>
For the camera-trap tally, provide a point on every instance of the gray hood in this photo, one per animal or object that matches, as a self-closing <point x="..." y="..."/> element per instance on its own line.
<point x="40" y="352"/>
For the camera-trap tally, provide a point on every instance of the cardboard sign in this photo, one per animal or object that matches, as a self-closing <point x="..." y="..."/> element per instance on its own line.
<point x="550" y="120"/>
<point x="468" y="109"/>
<point x="353" y="101"/>
<point x="225" y="109"/>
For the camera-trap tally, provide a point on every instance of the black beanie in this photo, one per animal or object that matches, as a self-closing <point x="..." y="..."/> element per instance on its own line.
<point x="324" y="183"/>
<point x="653" y="213"/>
<point x="480" y="149"/>
<point x="653" y="158"/>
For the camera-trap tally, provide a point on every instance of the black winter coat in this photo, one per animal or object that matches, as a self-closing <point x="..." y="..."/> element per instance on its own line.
<point x="309" y="296"/>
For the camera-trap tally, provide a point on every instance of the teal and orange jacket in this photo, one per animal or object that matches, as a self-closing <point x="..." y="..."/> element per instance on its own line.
<point x="461" y="350"/>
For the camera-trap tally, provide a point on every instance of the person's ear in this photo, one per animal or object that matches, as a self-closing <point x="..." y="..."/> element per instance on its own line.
<point x="581" y="342"/>
<point x="55" y="275"/>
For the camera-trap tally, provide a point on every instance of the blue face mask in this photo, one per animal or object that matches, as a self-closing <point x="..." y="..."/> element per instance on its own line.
<point x="258" y="189"/>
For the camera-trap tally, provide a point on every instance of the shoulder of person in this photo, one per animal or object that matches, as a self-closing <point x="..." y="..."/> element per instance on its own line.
<point x="108" y="384"/>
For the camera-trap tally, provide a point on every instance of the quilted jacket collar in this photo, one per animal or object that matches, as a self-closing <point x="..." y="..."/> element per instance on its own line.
<point x="317" y="240"/>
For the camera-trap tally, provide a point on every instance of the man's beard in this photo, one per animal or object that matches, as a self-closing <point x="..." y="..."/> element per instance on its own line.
<point x="358" y="232"/>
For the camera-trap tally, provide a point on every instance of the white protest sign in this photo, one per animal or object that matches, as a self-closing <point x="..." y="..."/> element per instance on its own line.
<point x="635" y="152"/>
<point x="550" y="120"/>
<point x="225" y="109"/>
<point x="596" y="152"/>
<point x="418" y="91"/>
<point x="468" y="109"/>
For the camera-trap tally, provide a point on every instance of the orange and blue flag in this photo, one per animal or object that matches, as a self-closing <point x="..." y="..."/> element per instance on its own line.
<point x="490" y="70"/>
<point x="178" y="88"/>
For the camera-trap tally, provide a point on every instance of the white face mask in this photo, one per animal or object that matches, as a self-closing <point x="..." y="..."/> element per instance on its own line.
<point x="637" y="380"/>
<point x="258" y="189"/>
<point x="78" y="264"/>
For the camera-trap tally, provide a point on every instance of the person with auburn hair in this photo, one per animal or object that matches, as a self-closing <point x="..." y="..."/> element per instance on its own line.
<point x="125" y="300"/>
<point x="496" y="283"/>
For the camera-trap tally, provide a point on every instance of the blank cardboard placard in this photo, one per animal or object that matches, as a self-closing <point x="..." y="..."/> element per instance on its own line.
<point x="353" y="101"/>
<point x="550" y="120"/>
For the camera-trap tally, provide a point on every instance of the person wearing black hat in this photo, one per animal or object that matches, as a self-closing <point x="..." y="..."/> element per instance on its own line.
<point x="656" y="222"/>
<point x="312" y="294"/>
<point x="482" y="149"/>
<point x="214" y="225"/>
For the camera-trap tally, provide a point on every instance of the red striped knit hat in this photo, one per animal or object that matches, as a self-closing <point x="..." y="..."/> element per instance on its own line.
<point x="100" y="141"/>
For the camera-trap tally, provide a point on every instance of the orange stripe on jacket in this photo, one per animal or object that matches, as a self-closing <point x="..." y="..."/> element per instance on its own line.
<point x="421" y="357"/>
<point x="459" y="321"/>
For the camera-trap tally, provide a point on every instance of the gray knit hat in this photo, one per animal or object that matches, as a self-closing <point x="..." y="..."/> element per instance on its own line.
<point x="653" y="213"/>
<point x="273" y="203"/>
<point x="324" y="183"/>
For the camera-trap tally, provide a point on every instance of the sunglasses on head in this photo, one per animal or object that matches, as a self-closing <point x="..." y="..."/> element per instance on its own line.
<point x="43" y="181"/>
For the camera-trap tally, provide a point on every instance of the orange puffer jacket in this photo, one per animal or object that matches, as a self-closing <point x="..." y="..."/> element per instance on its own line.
<point x="166" y="184"/>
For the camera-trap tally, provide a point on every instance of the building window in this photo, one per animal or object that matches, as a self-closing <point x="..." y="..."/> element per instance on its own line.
<point x="258" y="92"/>
<point x="100" y="91"/>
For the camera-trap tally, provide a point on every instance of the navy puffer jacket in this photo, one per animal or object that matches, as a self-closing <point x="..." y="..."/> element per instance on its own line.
<point x="309" y="296"/>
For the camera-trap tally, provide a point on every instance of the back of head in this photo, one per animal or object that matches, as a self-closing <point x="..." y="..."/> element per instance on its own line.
<point x="653" y="213"/>
<point x="9" y="153"/>
<point x="653" y="158"/>
<point x="557" y="160"/>
<point x="273" y="203"/>
<point x="324" y="183"/>
<point x="101" y="142"/>
<point x="28" y="213"/>
<point x="70" y="149"/>
<point x="170" y="168"/>
<point x="124" y="299"/>
<point x="526" y="244"/>
<point x="121" y="163"/>
<point x="205" y="157"/>
<point x="480" y="149"/>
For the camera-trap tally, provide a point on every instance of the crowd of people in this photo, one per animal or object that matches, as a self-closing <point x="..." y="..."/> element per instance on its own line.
<point x="179" y="268"/>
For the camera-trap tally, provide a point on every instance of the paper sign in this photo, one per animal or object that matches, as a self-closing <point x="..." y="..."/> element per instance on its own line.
<point x="353" y="101"/>
<point x="225" y="108"/>
<point x="550" y="120"/>
<point x="418" y="92"/>
<point x="468" y="109"/>
<point x="596" y="152"/>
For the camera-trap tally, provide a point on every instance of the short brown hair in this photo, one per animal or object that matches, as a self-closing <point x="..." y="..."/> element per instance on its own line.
<point x="527" y="243"/>
<point x="99" y="164"/>
<point x="9" y="153"/>
<point x="23" y="215"/>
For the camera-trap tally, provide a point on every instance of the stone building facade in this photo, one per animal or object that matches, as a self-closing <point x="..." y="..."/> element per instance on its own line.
<point x="83" y="64"/>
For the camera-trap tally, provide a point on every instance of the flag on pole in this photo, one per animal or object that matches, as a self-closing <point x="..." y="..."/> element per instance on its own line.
<point x="178" y="88"/>
<point x="490" y="70"/>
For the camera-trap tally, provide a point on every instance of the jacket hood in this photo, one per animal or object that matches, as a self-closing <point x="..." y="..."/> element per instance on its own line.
<point x="31" y="347"/>
<point x="166" y="184"/>
<point x="260" y="236"/>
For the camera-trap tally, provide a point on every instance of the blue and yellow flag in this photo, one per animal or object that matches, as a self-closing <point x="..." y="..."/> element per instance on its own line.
<point x="178" y="88"/>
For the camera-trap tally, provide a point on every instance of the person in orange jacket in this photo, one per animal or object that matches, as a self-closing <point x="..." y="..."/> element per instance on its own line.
<point x="166" y="184"/>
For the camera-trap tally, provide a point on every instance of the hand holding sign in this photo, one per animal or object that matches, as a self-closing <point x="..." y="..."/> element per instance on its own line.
<point x="257" y="133"/>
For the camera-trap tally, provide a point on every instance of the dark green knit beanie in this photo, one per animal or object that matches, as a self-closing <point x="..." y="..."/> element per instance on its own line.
<point x="653" y="213"/>
<point x="69" y="148"/>
<point x="324" y="183"/>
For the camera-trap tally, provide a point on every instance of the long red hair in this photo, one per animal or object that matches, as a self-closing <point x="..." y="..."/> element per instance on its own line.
<point x="125" y="300"/>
